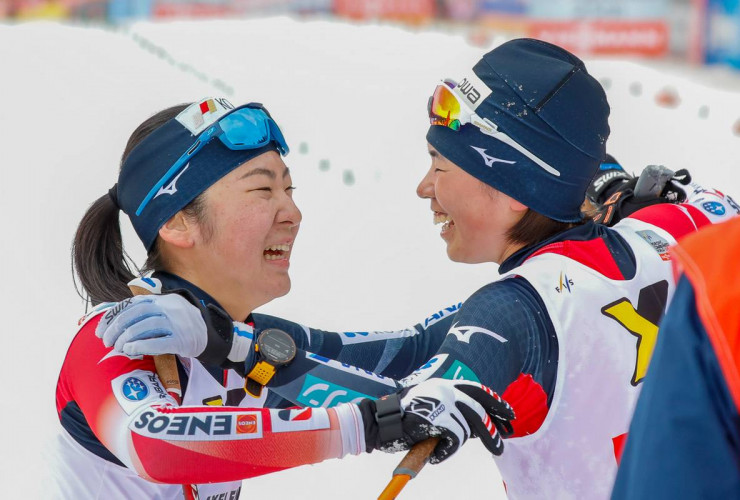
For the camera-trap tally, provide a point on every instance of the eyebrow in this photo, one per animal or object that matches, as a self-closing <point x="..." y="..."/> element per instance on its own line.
<point x="433" y="153"/>
<point x="264" y="171"/>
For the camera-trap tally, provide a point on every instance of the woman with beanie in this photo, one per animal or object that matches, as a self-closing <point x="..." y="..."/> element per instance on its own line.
<point x="566" y="332"/>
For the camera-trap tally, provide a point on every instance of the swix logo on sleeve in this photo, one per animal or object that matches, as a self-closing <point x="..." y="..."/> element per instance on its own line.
<point x="463" y="333"/>
<point x="183" y="425"/>
<point x="137" y="388"/>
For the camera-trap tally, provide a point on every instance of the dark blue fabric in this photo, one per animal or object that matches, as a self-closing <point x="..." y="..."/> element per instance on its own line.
<point x="546" y="101"/>
<point x="153" y="157"/>
<point x="513" y="310"/>
<point x="74" y="422"/>
<point x="510" y="308"/>
<point x="684" y="440"/>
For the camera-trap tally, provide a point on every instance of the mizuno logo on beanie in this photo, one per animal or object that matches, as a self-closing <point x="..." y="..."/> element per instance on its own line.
<point x="490" y="160"/>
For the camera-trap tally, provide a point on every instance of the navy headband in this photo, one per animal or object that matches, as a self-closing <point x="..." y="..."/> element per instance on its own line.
<point x="152" y="158"/>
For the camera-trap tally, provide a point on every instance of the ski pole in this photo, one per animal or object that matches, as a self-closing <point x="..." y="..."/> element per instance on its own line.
<point x="166" y="367"/>
<point x="165" y="364"/>
<point x="409" y="467"/>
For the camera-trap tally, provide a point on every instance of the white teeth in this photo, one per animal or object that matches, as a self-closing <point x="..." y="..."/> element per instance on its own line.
<point x="274" y="257"/>
<point x="439" y="218"/>
<point x="278" y="248"/>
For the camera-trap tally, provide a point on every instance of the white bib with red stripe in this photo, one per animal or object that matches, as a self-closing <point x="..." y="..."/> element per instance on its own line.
<point x="606" y="331"/>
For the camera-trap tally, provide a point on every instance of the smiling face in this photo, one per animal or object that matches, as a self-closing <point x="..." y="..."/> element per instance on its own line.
<point x="475" y="218"/>
<point x="240" y="252"/>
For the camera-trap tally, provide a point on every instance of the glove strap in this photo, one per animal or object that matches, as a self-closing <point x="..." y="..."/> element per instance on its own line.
<point x="388" y="414"/>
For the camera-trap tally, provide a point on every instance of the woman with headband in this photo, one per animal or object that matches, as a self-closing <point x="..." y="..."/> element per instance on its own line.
<point x="210" y="197"/>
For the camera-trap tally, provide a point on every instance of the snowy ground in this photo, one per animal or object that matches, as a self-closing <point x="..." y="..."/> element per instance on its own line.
<point x="351" y="101"/>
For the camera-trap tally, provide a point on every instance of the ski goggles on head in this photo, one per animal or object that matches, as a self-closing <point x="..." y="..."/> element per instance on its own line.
<point x="447" y="109"/>
<point x="246" y="127"/>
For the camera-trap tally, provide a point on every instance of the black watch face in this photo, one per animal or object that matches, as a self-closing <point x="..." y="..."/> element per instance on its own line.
<point x="276" y="346"/>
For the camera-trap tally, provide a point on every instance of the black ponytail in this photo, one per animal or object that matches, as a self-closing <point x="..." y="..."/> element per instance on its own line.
<point x="98" y="257"/>
<point x="99" y="260"/>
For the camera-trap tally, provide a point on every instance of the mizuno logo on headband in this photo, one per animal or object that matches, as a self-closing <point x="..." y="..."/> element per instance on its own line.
<point x="171" y="188"/>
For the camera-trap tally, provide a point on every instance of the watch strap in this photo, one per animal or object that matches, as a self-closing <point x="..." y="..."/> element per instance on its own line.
<point x="388" y="414"/>
<point x="260" y="375"/>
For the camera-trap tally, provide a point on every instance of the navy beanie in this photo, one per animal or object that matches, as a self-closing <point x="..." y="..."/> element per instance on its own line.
<point x="152" y="158"/>
<point x="542" y="97"/>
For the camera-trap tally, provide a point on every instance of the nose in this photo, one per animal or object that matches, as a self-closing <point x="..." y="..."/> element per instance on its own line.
<point x="290" y="214"/>
<point x="425" y="189"/>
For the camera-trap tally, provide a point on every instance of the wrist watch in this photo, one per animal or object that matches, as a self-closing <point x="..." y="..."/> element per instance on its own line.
<point x="274" y="348"/>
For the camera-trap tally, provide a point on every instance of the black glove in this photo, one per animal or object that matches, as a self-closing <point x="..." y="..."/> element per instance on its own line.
<point x="620" y="195"/>
<point x="454" y="410"/>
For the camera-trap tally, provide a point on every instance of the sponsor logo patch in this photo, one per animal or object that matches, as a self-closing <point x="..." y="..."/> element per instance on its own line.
<point x="134" y="389"/>
<point x="171" y="188"/>
<point x="490" y="160"/>
<point x="440" y="315"/>
<point x="659" y="244"/>
<point x="246" y="424"/>
<point x="198" y="426"/>
<point x="565" y="284"/>
<point x="472" y="90"/>
<point x="317" y="392"/>
<point x="360" y="337"/>
<point x="299" y="419"/>
<point x="714" y="208"/>
<point x="463" y="333"/>
<point x="344" y="367"/>
<point x="429" y="408"/>
<point x="425" y="371"/>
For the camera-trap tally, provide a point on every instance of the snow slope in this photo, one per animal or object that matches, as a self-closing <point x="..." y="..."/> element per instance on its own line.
<point x="351" y="101"/>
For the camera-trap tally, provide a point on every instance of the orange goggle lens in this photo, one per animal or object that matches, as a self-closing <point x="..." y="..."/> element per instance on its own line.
<point x="444" y="108"/>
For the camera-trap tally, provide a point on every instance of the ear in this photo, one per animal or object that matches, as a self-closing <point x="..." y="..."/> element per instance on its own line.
<point x="517" y="206"/>
<point x="178" y="231"/>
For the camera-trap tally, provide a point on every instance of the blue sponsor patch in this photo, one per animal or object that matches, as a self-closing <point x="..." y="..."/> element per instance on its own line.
<point x="355" y="334"/>
<point x="134" y="389"/>
<point x="714" y="207"/>
<point x="438" y="316"/>
<point x="317" y="393"/>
